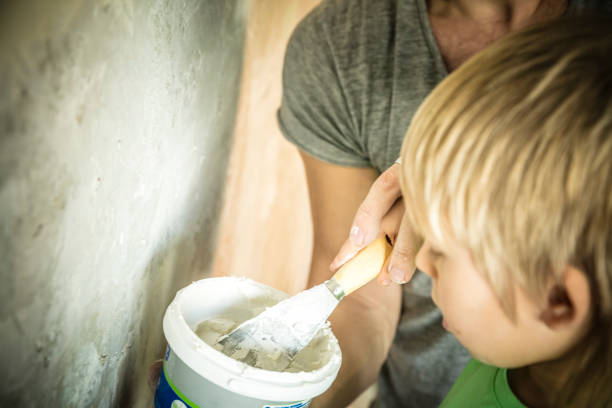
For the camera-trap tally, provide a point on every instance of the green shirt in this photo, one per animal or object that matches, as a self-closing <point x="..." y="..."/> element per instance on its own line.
<point x="481" y="385"/>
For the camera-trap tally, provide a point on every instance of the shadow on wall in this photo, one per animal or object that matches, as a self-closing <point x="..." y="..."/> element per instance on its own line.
<point x="115" y="128"/>
<point x="184" y="262"/>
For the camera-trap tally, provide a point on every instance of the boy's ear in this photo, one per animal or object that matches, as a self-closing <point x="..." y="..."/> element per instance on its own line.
<point x="569" y="304"/>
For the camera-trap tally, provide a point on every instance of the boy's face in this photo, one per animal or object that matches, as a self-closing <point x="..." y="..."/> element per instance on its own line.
<point x="472" y="312"/>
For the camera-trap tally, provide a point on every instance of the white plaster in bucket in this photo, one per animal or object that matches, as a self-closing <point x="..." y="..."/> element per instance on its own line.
<point x="239" y="299"/>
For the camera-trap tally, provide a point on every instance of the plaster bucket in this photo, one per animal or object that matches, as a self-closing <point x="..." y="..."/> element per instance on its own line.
<point x="197" y="375"/>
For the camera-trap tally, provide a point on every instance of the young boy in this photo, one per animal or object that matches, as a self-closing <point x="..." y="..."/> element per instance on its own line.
<point x="507" y="175"/>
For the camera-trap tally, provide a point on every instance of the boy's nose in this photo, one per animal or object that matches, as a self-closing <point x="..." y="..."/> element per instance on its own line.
<point x="422" y="260"/>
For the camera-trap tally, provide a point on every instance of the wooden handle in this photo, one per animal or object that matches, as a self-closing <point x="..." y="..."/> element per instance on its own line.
<point x="364" y="266"/>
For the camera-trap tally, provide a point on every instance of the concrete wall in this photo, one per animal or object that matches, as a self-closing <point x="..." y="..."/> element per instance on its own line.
<point x="116" y="119"/>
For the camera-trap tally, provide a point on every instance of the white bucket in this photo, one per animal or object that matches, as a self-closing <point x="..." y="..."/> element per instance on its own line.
<point x="197" y="375"/>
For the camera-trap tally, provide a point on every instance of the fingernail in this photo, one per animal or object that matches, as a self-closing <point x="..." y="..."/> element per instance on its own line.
<point x="334" y="265"/>
<point x="411" y="274"/>
<point x="339" y="262"/>
<point x="356" y="236"/>
<point x="397" y="275"/>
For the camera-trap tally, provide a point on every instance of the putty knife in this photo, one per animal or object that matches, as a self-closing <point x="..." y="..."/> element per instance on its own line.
<point x="273" y="338"/>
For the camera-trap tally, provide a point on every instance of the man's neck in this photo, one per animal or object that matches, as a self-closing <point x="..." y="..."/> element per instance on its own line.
<point x="512" y="14"/>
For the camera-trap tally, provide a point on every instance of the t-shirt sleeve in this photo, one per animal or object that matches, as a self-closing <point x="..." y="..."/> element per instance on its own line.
<point x="314" y="113"/>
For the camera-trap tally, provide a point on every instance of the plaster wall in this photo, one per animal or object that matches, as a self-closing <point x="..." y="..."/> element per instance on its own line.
<point x="116" y="120"/>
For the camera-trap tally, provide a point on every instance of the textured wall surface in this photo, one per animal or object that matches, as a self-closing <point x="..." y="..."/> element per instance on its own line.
<point x="116" y="120"/>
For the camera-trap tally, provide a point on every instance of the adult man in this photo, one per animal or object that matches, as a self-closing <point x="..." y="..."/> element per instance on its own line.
<point x="355" y="73"/>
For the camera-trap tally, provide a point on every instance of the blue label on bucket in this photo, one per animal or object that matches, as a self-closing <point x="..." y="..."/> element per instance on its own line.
<point x="303" y="404"/>
<point x="166" y="397"/>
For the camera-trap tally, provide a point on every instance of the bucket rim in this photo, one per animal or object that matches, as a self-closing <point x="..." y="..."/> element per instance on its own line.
<point x="234" y="375"/>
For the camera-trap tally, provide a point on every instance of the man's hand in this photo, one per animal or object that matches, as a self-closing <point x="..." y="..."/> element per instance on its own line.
<point x="383" y="211"/>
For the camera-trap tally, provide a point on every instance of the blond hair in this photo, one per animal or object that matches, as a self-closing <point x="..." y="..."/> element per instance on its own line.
<point x="511" y="156"/>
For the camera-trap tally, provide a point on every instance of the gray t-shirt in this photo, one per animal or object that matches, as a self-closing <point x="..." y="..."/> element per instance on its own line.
<point x="355" y="73"/>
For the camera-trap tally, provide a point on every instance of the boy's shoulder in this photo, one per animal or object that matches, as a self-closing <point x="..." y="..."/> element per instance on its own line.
<point x="481" y="385"/>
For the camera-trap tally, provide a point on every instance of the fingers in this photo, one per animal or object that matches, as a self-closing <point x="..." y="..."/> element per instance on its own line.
<point x="383" y="277"/>
<point x="366" y="225"/>
<point x="347" y="252"/>
<point x="381" y="197"/>
<point x="401" y="261"/>
<point x="390" y="227"/>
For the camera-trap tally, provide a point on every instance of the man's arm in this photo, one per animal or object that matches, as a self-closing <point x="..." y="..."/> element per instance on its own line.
<point x="365" y="321"/>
